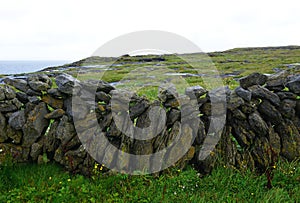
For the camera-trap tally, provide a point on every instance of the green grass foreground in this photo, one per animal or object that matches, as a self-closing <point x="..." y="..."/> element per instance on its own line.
<point x="50" y="183"/>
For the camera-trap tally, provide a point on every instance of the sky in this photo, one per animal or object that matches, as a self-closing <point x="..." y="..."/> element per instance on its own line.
<point x="72" y="30"/>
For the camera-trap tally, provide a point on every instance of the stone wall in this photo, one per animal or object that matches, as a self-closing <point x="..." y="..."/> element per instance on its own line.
<point x="262" y="121"/>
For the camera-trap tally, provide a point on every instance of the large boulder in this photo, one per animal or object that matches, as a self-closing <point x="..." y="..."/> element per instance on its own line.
<point x="253" y="79"/>
<point x="35" y="125"/>
<point x="10" y="105"/>
<point x="66" y="84"/>
<point x="294" y="85"/>
<point x="20" y="84"/>
<point x="6" y="93"/>
<point x="277" y="81"/>
<point x="263" y="93"/>
<point x="17" y="120"/>
<point x="40" y="82"/>
<point x="270" y="113"/>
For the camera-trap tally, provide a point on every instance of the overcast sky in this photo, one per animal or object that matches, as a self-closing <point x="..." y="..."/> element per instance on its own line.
<point x="72" y="30"/>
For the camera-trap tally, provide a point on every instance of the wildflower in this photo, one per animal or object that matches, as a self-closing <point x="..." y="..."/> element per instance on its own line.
<point x="69" y="180"/>
<point x="175" y="193"/>
<point x="179" y="170"/>
<point x="50" y="178"/>
<point x="96" y="166"/>
<point x="252" y="193"/>
<point x="60" y="182"/>
<point x="1" y="150"/>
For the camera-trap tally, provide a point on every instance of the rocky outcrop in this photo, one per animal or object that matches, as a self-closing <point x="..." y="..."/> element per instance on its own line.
<point x="262" y="123"/>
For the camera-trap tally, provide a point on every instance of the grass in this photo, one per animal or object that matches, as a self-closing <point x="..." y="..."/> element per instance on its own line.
<point x="130" y="71"/>
<point x="50" y="183"/>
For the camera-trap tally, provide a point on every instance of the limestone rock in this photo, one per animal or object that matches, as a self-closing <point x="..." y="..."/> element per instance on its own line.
<point x="294" y="85"/>
<point x="277" y="81"/>
<point x="245" y="94"/>
<point x="195" y="91"/>
<point x="36" y="150"/>
<point x="270" y="113"/>
<point x="35" y="124"/>
<point x="257" y="124"/>
<point x="66" y="83"/>
<point x="10" y="105"/>
<point x="57" y="113"/>
<point x="17" y="120"/>
<point x="53" y="102"/>
<point x="263" y="93"/>
<point x="3" y="135"/>
<point x="253" y="79"/>
<point x="20" y="84"/>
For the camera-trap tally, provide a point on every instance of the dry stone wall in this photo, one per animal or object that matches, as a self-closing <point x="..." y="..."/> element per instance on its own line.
<point x="262" y="122"/>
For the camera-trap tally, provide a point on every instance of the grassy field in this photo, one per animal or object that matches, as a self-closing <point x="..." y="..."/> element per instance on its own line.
<point x="50" y="183"/>
<point x="143" y="74"/>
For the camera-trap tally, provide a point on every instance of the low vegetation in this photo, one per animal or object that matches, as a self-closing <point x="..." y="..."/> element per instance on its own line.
<point x="50" y="183"/>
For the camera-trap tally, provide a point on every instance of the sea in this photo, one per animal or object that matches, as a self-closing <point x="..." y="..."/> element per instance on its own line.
<point x="19" y="67"/>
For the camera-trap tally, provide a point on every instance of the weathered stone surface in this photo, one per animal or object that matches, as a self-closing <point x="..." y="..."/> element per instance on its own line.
<point x="253" y="79"/>
<point x="216" y="109"/>
<point x="167" y="92"/>
<point x="36" y="150"/>
<point x="22" y="97"/>
<point x="19" y="154"/>
<point x="263" y="93"/>
<point x="287" y="108"/>
<point x="72" y="159"/>
<point x="245" y="94"/>
<point x="39" y="82"/>
<point x="297" y="108"/>
<point x="286" y="95"/>
<point x="66" y="83"/>
<point x="137" y="109"/>
<point x="243" y="133"/>
<point x="35" y="124"/>
<point x="234" y="101"/>
<point x="34" y="99"/>
<point x="103" y="97"/>
<point x="201" y="134"/>
<point x="6" y="92"/>
<point x="124" y="96"/>
<point x="10" y="105"/>
<point x="270" y="113"/>
<point x="220" y="94"/>
<point x="20" y="84"/>
<point x="57" y="113"/>
<point x="261" y="154"/>
<point x="97" y="86"/>
<point x="17" y="120"/>
<point x="51" y="142"/>
<point x="76" y="107"/>
<point x="31" y="92"/>
<point x="195" y="92"/>
<point x="173" y="115"/>
<point x="290" y="140"/>
<point x="3" y="135"/>
<point x="258" y="125"/>
<point x="294" y="85"/>
<point x="274" y="141"/>
<point x="53" y="102"/>
<point x="65" y="130"/>
<point x="54" y="92"/>
<point x="277" y="81"/>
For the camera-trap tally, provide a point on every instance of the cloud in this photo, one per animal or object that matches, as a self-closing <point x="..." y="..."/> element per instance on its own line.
<point x="75" y="29"/>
